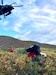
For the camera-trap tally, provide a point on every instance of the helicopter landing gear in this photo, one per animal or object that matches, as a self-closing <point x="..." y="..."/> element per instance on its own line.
<point x="8" y="13"/>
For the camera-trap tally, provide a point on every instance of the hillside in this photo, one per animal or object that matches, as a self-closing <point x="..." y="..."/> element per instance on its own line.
<point x="6" y="41"/>
<point x="18" y="63"/>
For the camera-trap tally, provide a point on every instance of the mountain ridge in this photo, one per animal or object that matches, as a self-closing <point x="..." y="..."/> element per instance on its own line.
<point x="7" y="41"/>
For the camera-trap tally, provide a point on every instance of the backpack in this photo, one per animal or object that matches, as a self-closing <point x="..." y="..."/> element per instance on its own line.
<point x="34" y="48"/>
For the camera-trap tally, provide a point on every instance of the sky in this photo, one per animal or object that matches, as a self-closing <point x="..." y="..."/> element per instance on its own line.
<point x="35" y="21"/>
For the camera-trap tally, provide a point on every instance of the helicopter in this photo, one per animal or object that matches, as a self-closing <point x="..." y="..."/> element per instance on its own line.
<point x="6" y="9"/>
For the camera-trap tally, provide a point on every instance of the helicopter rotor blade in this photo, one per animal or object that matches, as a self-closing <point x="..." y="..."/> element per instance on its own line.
<point x="13" y="3"/>
<point x="18" y="6"/>
<point x="2" y="2"/>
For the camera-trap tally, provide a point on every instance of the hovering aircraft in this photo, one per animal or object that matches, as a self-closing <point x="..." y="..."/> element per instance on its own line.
<point x="6" y="9"/>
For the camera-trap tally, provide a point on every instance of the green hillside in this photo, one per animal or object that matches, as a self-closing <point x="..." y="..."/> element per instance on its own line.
<point x="18" y="63"/>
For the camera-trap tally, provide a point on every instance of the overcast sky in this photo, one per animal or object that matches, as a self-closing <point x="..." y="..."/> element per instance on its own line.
<point x="35" y="21"/>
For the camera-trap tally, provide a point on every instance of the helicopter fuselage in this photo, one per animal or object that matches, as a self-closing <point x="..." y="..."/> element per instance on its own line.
<point x="5" y="9"/>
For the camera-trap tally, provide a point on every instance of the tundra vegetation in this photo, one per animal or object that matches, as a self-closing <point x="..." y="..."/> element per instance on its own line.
<point x="17" y="63"/>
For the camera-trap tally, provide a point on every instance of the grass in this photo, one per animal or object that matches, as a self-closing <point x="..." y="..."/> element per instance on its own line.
<point x="18" y="63"/>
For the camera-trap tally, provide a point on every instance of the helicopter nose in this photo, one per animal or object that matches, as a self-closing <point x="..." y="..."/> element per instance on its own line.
<point x="12" y="7"/>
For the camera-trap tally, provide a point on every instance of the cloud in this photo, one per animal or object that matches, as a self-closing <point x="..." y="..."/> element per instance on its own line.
<point x="36" y="20"/>
<point x="4" y="23"/>
<point x="23" y="36"/>
<point x="42" y="22"/>
<point x="39" y="36"/>
<point x="16" y="27"/>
